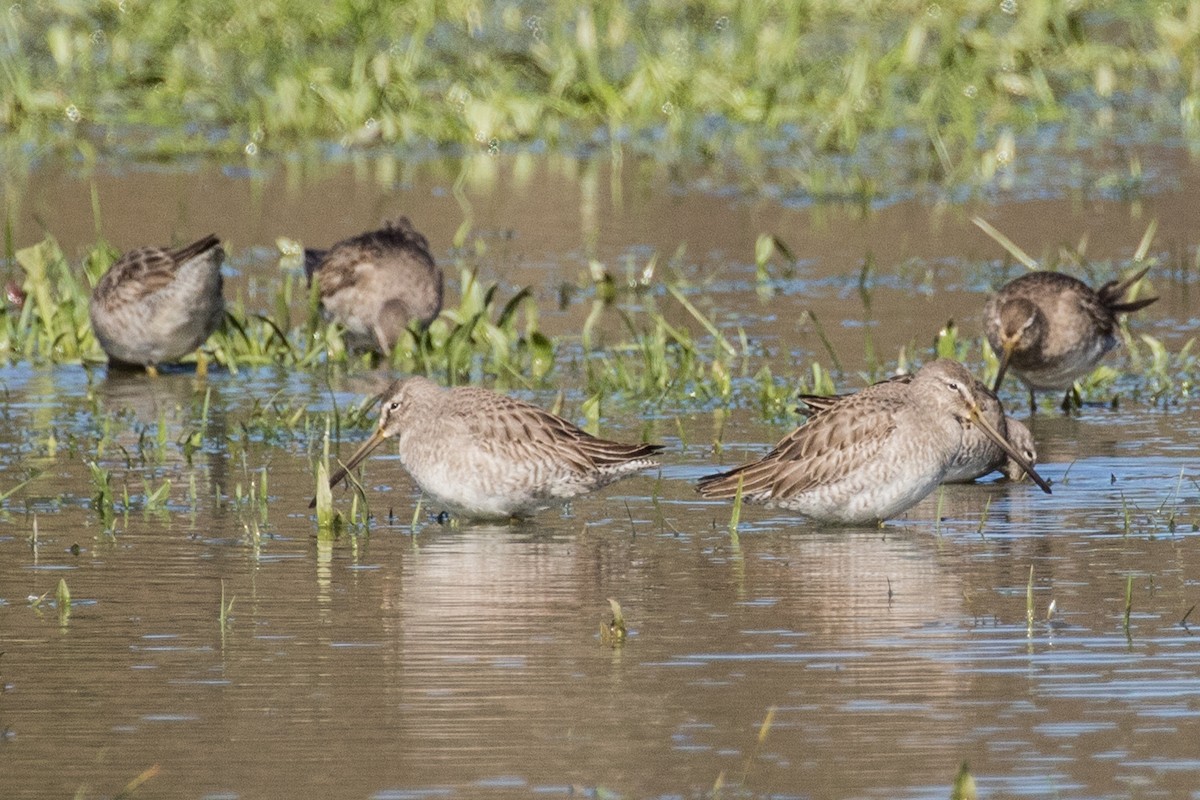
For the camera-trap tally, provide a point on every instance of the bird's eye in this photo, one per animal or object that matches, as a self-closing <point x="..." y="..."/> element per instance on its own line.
<point x="394" y="406"/>
<point x="952" y="386"/>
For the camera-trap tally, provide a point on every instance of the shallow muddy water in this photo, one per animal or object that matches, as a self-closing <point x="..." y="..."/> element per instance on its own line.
<point x="431" y="660"/>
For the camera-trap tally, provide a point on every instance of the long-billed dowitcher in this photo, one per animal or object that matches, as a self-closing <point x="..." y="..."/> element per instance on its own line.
<point x="376" y="283"/>
<point x="978" y="455"/>
<point x="481" y="454"/>
<point x="871" y="455"/>
<point x="1053" y="329"/>
<point x="154" y="305"/>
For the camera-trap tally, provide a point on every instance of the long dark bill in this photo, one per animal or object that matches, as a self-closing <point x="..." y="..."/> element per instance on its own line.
<point x="362" y="452"/>
<point x="1003" y="444"/>
<point x="1005" y="357"/>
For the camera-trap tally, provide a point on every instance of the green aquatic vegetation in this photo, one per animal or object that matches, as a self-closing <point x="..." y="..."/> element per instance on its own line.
<point x="130" y="789"/>
<point x="480" y="336"/>
<point x="735" y="515"/>
<point x="483" y="335"/>
<point x="811" y="318"/>
<point x="718" y="789"/>
<point x="225" y="609"/>
<point x="250" y="339"/>
<point x="964" y="784"/>
<point x="62" y="599"/>
<point x="666" y="349"/>
<point x="50" y="324"/>
<point x="948" y="344"/>
<point x="331" y="522"/>
<point x="1162" y="376"/>
<point x="769" y="249"/>
<point x="1173" y="498"/>
<point x="614" y="633"/>
<point x="705" y="323"/>
<point x="657" y="361"/>
<point x="30" y="476"/>
<point x="965" y="77"/>
<point x="327" y="518"/>
<point x="983" y="517"/>
<point x="1029" y="603"/>
<point x="155" y="500"/>
<point x="1128" y="608"/>
<point x="251" y="505"/>
<point x="660" y="360"/>
<point x="102" y="497"/>
<point x="189" y="444"/>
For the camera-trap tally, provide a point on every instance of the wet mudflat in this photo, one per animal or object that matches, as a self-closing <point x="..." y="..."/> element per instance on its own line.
<point x="1047" y="641"/>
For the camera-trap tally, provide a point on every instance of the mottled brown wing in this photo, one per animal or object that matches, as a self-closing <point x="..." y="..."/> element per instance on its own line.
<point x="146" y="270"/>
<point x="337" y="268"/>
<point x="528" y="431"/>
<point x="811" y="404"/>
<point x="400" y="233"/>
<point x="823" y="450"/>
<point x="816" y="403"/>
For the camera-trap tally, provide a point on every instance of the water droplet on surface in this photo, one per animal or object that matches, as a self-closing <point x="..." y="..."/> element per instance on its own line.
<point x="1008" y="6"/>
<point x="371" y="123"/>
<point x="722" y="23"/>
<point x="970" y="91"/>
<point x="668" y="108"/>
<point x="251" y="149"/>
<point x="73" y="113"/>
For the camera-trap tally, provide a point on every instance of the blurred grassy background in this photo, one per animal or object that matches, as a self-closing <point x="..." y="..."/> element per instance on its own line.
<point x="697" y="79"/>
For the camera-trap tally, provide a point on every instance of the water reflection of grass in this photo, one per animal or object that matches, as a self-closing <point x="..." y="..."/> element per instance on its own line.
<point x="963" y="75"/>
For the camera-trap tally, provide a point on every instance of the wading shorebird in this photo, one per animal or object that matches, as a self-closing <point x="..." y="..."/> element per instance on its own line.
<point x="978" y="455"/>
<point x="872" y="455"/>
<point x="155" y="306"/>
<point x="376" y="283"/>
<point x="483" y="455"/>
<point x="1053" y="329"/>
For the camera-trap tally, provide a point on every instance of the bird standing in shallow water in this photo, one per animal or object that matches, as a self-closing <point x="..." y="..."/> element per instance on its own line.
<point x="376" y="283"/>
<point x="484" y="455"/>
<point x="1053" y="329"/>
<point x="155" y="306"/>
<point x="871" y="455"/>
<point x="978" y="455"/>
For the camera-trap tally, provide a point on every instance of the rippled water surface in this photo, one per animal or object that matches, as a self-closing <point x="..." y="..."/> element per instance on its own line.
<point x="1047" y="641"/>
